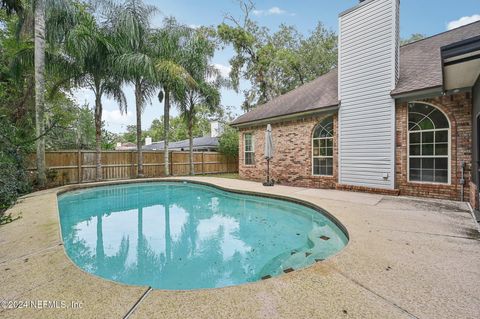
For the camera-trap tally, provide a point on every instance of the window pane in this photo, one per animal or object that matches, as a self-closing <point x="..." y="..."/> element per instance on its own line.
<point x="413" y="119"/>
<point x="441" y="149"/>
<point x="441" y="163"/>
<point x="415" y="138"/>
<point x="329" y="151"/>
<point x="427" y="149"/>
<point x="329" y="171"/>
<point x="439" y="119"/>
<point x="323" y="143"/>
<point x="441" y="136"/>
<point x="323" y="151"/>
<point x="415" y="175"/>
<point x="329" y="166"/>
<point x="427" y="175"/>
<point x="316" y="143"/>
<point x="249" y="158"/>
<point x="330" y="142"/>
<point x="441" y="176"/>
<point x="427" y="163"/>
<point x="316" y="151"/>
<point x="414" y="149"/>
<point x="248" y="142"/>
<point x="416" y="163"/>
<point x="316" y="166"/>
<point x="427" y="137"/>
<point x="426" y="124"/>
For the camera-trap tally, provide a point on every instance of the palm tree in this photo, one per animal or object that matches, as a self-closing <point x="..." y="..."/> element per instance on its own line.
<point x="92" y="49"/>
<point x="205" y="92"/>
<point x="39" y="61"/>
<point x="173" y="78"/>
<point x="58" y="16"/>
<point x="131" y="23"/>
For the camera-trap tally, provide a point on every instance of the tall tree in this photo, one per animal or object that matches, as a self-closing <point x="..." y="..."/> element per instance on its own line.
<point x="51" y="21"/>
<point x="200" y="50"/>
<point x="131" y="23"/>
<point x="274" y="63"/>
<point x="39" y="59"/>
<point x="92" y="50"/>
<point x="173" y="78"/>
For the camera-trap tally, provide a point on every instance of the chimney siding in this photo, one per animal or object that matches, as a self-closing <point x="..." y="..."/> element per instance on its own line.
<point x="368" y="71"/>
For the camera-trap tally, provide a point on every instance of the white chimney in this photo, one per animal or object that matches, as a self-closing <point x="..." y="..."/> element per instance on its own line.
<point x="148" y="140"/>
<point x="368" y="72"/>
<point x="216" y="129"/>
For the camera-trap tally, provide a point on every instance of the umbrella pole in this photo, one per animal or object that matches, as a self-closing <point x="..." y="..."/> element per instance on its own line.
<point x="268" y="171"/>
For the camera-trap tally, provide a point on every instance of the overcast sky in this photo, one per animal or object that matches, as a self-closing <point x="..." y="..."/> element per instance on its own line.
<point x="428" y="17"/>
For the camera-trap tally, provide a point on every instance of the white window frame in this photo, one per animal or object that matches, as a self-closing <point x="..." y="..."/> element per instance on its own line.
<point x="449" y="148"/>
<point x="245" y="148"/>
<point x="320" y="156"/>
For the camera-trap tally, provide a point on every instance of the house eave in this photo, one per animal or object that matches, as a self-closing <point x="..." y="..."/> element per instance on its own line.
<point x="420" y="93"/>
<point x="286" y="117"/>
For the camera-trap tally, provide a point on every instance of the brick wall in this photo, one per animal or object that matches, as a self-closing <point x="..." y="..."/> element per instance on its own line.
<point x="458" y="108"/>
<point x="292" y="162"/>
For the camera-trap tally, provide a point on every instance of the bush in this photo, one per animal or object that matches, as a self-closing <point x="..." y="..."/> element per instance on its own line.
<point x="13" y="177"/>
<point x="228" y="143"/>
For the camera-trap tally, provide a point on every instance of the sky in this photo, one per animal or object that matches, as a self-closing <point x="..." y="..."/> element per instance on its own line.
<point x="427" y="17"/>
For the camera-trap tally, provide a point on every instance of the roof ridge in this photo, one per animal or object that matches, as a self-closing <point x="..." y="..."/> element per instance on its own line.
<point x="441" y="33"/>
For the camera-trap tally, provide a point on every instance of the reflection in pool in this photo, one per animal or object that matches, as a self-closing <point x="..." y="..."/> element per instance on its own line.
<point x="189" y="236"/>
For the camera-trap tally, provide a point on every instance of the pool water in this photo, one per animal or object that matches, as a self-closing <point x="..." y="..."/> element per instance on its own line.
<point x="183" y="236"/>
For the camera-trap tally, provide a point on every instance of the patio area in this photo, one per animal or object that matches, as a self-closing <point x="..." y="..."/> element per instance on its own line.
<point x="407" y="258"/>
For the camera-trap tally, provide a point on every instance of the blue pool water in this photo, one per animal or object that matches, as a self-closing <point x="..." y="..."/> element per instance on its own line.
<point x="187" y="236"/>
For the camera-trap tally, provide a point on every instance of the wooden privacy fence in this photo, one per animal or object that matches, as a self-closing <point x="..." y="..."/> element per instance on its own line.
<point x="68" y="167"/>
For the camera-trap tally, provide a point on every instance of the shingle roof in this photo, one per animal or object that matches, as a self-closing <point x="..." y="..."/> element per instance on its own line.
<point x="420" y="69"/>
<point x="421" y="63"/>
<point x="321" y="92"/>
<point x="198" y="142"/>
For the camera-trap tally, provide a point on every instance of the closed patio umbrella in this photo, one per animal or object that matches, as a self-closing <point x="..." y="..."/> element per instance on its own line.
<point x="269" y="149"/>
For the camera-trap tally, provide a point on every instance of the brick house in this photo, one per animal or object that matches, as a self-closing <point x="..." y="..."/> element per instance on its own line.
<point x="390" y="119"/>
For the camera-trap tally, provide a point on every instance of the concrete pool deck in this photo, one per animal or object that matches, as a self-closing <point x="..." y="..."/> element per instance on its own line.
<point x="407" y="258"/>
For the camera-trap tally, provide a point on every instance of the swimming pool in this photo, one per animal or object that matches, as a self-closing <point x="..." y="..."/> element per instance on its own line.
<point x="183" y="236"/>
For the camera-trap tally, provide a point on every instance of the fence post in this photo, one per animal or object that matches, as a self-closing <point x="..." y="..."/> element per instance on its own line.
<point x="132" y="165"/>
<point x="203" y="163"/>
<point x="170" y="156"/>
<point x="79" y="163"/>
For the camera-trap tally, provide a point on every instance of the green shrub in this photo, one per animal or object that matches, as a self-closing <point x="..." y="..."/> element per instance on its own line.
<point x="228" y="143"/>
<point x="13" y="177"/>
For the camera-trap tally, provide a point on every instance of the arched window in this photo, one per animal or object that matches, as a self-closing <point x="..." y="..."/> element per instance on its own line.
<point x="322" y="143"/>
<point x="428" y="143"/>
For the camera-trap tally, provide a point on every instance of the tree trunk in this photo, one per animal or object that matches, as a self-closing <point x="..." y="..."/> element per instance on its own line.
<point x="138" y="106"/>
<point x="39" y="60"/>
<point x="98" y="135"/>
<point x="190" y="138"/>
<point x="166" y="130"/>
<point x="100" y="250"/>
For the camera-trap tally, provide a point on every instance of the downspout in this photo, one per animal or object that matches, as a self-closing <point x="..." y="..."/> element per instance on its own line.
<point x="462" y="182"/>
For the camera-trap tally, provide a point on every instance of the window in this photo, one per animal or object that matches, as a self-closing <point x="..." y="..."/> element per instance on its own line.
<point x="429" y="144"/>
<point x="322" y="143"/>
<point x="249" y="150"/>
